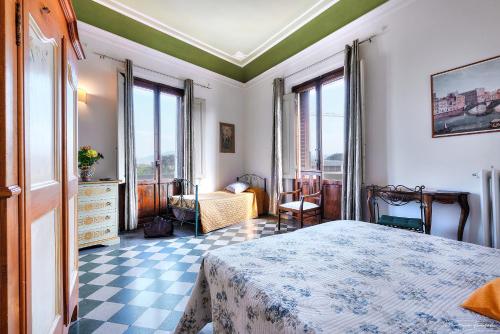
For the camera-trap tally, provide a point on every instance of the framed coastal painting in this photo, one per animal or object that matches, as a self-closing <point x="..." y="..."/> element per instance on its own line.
<point x="466" y="100"/>
<point x="227" y="138"/>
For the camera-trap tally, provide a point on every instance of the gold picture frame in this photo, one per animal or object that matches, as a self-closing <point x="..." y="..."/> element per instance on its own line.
<point x="466" y="99"/>
<point x="227" y="138"/>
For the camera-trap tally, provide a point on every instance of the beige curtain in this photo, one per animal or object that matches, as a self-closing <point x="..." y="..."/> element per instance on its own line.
<point x="277" y="159"/>
<point x="130" y="166"/>
<point x="353" y="141"/>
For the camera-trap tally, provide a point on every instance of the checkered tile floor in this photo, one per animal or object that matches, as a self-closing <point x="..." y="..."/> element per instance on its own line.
<point x="144" y="288"/>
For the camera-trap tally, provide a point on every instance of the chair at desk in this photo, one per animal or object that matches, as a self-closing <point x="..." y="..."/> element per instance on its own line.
<point x="396" y="196"/>
<point x="309" y="203"/>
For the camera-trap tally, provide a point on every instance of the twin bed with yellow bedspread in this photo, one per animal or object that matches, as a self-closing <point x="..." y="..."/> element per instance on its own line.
<point x="223" y="208"/>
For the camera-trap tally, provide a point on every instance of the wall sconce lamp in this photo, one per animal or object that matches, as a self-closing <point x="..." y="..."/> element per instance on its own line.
<point x="82" y="95"/>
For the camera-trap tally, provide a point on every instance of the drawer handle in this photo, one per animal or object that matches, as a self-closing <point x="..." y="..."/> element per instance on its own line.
<point x="107" y="230"/>
<point x="108" y="203"/>
<point x="45" y="10"/>
<point x="107" y="217"/>
<point x="108" y="190"/>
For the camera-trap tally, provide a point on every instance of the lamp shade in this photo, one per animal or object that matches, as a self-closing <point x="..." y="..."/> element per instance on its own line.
<point x="82" y="95"/>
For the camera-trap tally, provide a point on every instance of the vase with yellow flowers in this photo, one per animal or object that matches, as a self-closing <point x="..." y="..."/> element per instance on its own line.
<point x="87" y="157"/>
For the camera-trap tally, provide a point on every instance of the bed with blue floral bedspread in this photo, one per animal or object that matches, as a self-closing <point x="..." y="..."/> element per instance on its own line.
<point x="342" y="277"/>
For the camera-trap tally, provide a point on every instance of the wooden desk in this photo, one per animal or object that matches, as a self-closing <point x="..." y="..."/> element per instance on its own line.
<point x="447" y="197"/>
<point x="429" y="197"/>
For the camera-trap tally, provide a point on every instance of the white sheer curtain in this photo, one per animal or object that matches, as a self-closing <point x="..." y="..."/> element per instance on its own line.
<point x="129" y="141"/>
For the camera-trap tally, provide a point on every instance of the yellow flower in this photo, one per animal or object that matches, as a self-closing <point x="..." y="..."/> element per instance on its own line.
<point x="91" y="153"/>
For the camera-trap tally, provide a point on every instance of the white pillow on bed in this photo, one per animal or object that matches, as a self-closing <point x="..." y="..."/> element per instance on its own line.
<point x="237" y="187"/>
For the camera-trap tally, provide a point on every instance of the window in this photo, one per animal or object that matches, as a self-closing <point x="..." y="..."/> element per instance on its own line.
<point x="169" y="119"/>
<point x="156" y="120"/>
<point x="144" y="118"/>
<point x="321" y="116"/>
<point x="332" y="129"/>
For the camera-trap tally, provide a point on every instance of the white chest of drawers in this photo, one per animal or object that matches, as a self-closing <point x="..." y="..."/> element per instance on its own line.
<point x="97" y="213"/>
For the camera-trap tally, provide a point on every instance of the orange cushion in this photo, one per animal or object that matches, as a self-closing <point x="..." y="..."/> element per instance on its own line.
<point x="485" y="300"/>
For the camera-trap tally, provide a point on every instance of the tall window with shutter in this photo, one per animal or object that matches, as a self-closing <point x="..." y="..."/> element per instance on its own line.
<point x="321" y="136"/>
<point x="156" y="116"/>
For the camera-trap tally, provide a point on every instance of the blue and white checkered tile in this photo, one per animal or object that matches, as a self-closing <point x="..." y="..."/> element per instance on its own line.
<point x="144" y="288"/>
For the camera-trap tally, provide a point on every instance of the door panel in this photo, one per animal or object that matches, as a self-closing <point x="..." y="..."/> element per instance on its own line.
<point x="168" y="135"/>
<point x="156" y="119"/>
<point x="71" y="122"/>
<point x="332" y="199"/>
<point x="144" y="131"/>
<point x="72" y="242"/>
<point x="332" y="132"/>
<point x="146" y="194"/>
<point x="145" y="150"/>
<point x="163" y="198"/>
<point x="45" y="32"/>
<point x="308" y="130"/>
<point x="41" y="100"/>
<point x="10" y="180"/>
<point x="45" y="269"/>
<point x="321" y="130"/>
<point x="42" y="232"/>
<point x="168" y="147"/>
<point x="70" y="186"/>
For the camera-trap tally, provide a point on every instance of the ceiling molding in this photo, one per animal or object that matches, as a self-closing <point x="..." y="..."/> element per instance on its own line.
<point x="339" y="14"/>
<point x="147" y="55"/>
<point x="237" y="59"/>
<point x="102" y="17"/>
<point x="289" y="29"/>
<point x="155" y="24"/>
<point x="330" y="45"/>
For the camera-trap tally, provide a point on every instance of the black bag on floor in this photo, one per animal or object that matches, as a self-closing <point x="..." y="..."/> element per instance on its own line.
<point x="159" y="227"/>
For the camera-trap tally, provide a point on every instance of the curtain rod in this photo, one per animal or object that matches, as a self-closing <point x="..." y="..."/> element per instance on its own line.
<point x="369" y="39"/>
<point x="102" y="56"/>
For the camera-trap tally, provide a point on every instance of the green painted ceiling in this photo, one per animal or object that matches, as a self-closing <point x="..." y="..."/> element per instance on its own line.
<point x="338" y="15"/>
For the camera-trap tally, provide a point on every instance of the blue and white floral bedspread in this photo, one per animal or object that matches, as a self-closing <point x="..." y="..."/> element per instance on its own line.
<point x="342" y="277"/>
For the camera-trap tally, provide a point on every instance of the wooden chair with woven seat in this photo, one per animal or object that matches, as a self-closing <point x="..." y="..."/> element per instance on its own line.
<point x="308" y="206"/>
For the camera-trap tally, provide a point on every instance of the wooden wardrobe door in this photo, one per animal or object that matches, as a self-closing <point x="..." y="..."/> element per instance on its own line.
<point x="70" y="185"/>
<point x="10" y="184"/>
<point x="43" y="232"/>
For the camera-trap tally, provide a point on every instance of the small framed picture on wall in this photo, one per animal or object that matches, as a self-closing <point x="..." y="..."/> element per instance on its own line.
<point x="227" y="138"/>
<point x="466" y="99"/>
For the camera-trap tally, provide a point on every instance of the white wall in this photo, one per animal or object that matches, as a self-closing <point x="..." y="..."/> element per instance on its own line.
<point x="97" y="124"/>
<point x="97" y="118"/>
<point x="415" y="39"/>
